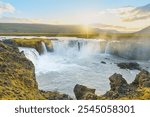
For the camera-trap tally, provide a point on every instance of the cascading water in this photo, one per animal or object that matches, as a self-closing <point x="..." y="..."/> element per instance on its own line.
<point x="31" y="54"/>
<point x="78" y="62"/>
<point x="107" y="48"/>
<point x="44" y="48"/>
<point x="76" y="48"/>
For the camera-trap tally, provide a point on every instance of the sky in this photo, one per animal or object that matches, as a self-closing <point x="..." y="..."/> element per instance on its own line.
<point x="123" y="15"/>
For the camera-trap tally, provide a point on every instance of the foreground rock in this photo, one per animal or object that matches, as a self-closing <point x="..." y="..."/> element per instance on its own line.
<point x="31" y="43"/>
<point x="130" y="66"/>
<point x="120" y="89"/>
<point x="17" y="77"/>
<point x="84" y="93"/>
<point x="142" y="79"/>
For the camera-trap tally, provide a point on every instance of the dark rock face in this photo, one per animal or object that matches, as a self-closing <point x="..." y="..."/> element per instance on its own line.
<point x="130" y="66"/>
<point x="119" y="86"/>
<point x="142" y="79"/>
<point x="84" y="93"/>
<point x="118" y="83"/>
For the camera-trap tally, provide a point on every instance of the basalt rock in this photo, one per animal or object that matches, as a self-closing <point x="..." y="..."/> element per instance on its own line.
<point x="142" y="79"/>
<point x="84" y="93"/>
<point x="119" y="87"/>
<point x="130" y="66"/>
<point x="103" y="62"/>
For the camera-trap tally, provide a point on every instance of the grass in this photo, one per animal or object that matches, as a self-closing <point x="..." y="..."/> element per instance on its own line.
<point x="90" y="36"/>
<point x="33" y="43"/>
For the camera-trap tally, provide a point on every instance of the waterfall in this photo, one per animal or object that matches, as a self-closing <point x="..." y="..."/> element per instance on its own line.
<point x="84" y="48"/>
<point x="31" y="54"/>
<point x="44" y="48"/>
<point x="107" y="48"/>
<point x="76" y="48"/>
<point x="78" y="61"/>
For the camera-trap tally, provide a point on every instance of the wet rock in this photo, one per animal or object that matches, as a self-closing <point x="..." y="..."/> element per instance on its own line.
<point x="103" y="62"/>
<point x="142" y="79"/>
<point x="82" y="92"/>
<point x="130" y="66"/>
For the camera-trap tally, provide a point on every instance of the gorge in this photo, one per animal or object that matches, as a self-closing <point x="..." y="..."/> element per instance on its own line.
<point x="79" y="61"/>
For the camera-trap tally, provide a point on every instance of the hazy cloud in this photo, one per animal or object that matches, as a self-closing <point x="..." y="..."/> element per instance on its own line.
<point x="119" y="11"/>
<point x="6" y="7"/>
<point x="18" y="20"/>
<point x="129" y="13"/>
<point x="139" y="13"/>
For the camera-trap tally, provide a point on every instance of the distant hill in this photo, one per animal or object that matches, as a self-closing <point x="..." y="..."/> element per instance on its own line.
<point x="43" y="28"/>
<point x="38" y="28"/>
<point x="144" y="31"/>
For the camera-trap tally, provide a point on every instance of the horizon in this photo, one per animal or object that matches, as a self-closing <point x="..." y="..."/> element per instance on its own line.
<point x="126" y="16"/>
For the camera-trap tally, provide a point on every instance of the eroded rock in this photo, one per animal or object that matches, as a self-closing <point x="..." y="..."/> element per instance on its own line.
<point x="84" y="93"/>
<point x="119" y="86"/>
<point x="130" y="66"/>
<point x="142" y="79"/>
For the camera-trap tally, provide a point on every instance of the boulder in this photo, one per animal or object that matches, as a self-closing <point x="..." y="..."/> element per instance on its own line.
<point x="130" y="66"/>
<point x="103" y="62"/>
<point x="83" y="93"/>
<point x="142" y="79"/>
<point x="118" y="85"/>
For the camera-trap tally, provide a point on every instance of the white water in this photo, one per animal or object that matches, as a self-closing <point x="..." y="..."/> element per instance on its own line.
<point x="78" y="62"/>
<point x="44" y="48"/>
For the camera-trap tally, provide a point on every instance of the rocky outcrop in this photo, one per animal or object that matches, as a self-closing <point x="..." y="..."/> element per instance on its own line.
<point x="120" y="89"/>
<point x="17" y="77"/>
<point x="142" y="79"/>
<point x="84" y="93"/>
<point x="35" y="43"/>
<point x="130" y="66"/>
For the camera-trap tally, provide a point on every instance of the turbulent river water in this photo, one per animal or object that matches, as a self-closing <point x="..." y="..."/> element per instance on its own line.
<point x="79" y="61"/>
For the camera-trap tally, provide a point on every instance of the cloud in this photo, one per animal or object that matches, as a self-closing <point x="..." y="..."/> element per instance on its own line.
<point x="5" y="19"/>
<point x="18" y="20"/>
<point x="6" y="8"/>
<point x="129" y="13"/>
<point x="139" y="13"/>
<point x="114" y="27"/>
<point x="106" y="26"/>
<point x="119" y="11"/>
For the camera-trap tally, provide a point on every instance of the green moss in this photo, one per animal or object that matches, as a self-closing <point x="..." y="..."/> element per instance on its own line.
<point x="34" y="43"/>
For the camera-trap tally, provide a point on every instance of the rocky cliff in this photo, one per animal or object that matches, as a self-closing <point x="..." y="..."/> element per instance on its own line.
<point x="17" y="77"/>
